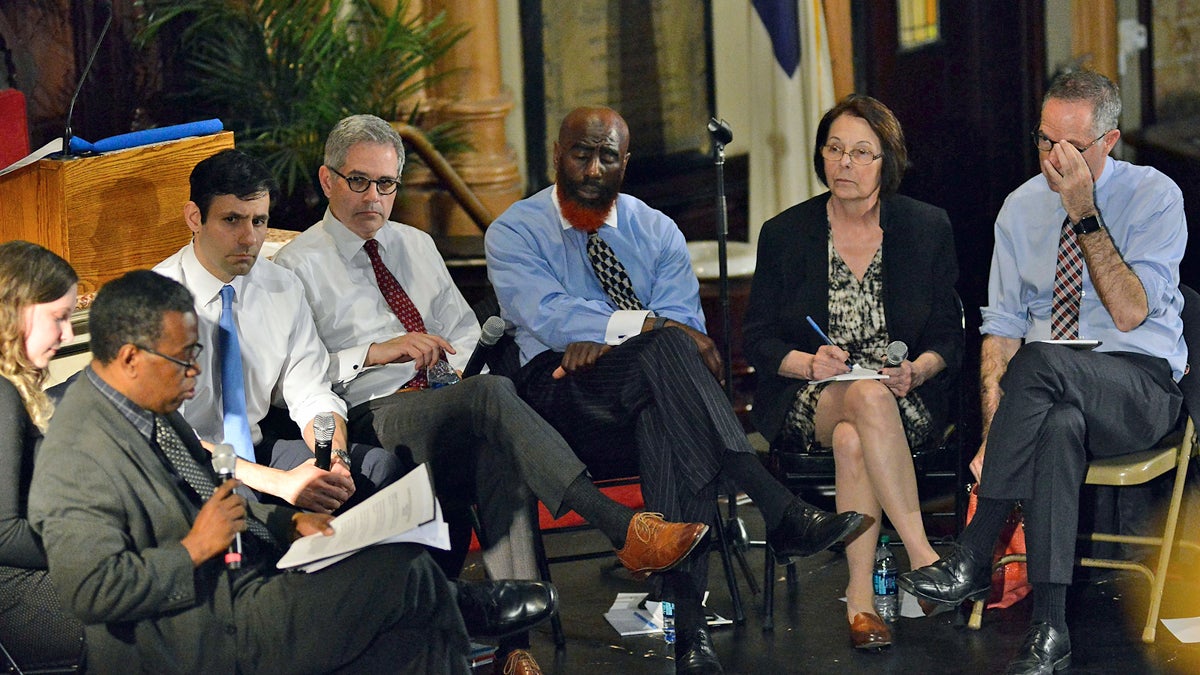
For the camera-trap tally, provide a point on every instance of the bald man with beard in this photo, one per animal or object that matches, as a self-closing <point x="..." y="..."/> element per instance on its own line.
<point x="614" y="356"/>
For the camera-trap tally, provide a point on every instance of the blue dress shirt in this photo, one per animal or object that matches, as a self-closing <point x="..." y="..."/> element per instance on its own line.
<point x="1142" y="210"/>
<point x="544" y="281"/>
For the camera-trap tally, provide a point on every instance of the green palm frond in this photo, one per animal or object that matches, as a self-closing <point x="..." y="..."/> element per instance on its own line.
<point x="281" y="73"/>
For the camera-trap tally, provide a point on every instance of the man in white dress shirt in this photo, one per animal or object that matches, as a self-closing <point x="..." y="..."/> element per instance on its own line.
<point x="282" y="356"/>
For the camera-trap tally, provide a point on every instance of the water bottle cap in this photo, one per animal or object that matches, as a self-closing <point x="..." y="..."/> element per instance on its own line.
<point x="883" y="539"/>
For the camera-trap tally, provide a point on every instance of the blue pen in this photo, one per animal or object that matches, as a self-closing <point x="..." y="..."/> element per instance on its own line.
<point x="819" y="331"/>
<point x="823" y="335"/>
<point x="648" y="622"/>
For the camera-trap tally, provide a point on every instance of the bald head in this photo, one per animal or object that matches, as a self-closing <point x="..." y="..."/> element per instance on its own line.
<point x="590" y="157"/>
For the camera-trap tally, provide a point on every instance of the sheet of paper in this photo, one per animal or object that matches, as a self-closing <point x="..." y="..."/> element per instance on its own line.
<point x="856" y="373"/>
<point x="628" y="618"/>
<point x="386" y="516"/>
<point x="1185" y="630"/>
<point x="1074" y="344"/>
<point x="47" y="149"/>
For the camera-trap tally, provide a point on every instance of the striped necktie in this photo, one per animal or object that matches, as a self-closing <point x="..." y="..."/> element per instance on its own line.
<point x="1068" y="287"/>
<point x="611" y="273"/>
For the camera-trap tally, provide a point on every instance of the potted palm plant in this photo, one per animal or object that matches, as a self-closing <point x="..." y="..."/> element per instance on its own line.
<point x="281" y="73"/>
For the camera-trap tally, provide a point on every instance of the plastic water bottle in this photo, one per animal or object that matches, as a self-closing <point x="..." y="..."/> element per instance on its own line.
<point x="887" y="601"/>
<point x="668" y="612"/>
<point x="441" y="374"/>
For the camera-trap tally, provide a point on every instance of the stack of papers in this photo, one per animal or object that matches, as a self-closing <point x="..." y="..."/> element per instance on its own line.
<point x="405" y="511"/>
<point x="857" y="372"/>
<point x="633" y="614"/>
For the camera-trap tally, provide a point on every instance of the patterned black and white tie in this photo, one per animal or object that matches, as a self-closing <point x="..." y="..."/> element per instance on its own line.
<point x="611" y="273"/>
<point x="195" y="475"/>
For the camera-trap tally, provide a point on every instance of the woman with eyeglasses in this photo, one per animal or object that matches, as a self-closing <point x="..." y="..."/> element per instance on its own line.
<point x="37" y="296"/>
<point x="840" y="277"/>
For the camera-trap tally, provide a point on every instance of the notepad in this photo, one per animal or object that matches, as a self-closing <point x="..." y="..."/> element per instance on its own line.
<point x="1075" y="344"/>
<point x="856" y="373"/>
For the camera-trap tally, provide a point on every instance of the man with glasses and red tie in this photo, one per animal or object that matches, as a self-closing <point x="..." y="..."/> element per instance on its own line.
<point x="1082" y="350"/>
<point x="386" y="309"/>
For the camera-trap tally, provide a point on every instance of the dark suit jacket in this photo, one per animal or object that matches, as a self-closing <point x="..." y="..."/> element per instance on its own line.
<point x="791" y="281"/>
<point x="112" y="517"/>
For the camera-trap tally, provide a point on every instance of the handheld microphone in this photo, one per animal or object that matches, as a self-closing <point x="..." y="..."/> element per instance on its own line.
<point x="224" y="459"/>
<point x="323" y="426"/>
<point x="897" y="351"/>
<point x="493" y="330"/>
<point x="106" y="6"/>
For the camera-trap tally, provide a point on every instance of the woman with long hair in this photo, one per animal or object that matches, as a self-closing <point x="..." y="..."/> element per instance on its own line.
<point x="37" y="295"/>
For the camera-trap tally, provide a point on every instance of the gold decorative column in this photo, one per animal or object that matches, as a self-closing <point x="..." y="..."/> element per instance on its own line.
<point x="469" y="93"/>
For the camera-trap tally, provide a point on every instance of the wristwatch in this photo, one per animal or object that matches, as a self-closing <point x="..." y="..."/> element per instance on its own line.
<point x="343" y="457"/>
<point x="1087" y="224"/>
<point x="659" y="322"/>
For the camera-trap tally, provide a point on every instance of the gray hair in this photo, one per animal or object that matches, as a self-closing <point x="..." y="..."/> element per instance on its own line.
<point x="1094" y="88"/>
<point x="361" y="129"/>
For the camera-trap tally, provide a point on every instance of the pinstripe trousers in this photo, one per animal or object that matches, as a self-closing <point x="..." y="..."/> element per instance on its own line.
<point x="648" y="405"/>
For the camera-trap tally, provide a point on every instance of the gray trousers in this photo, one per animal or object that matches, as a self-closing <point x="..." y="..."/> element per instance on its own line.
<point x="648" y="406"/>
<point x="483" y="443"/>
<point x="386" y="609"/>
<point x="1062" y="407"/>
<point x="371" y="468"/>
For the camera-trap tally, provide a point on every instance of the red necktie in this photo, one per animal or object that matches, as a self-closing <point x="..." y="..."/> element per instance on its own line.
<point x="400" y="303"/>
<point x="1068" y="287"/>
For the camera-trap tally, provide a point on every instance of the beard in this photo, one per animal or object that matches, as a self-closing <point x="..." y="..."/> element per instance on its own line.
<point x="585" y="217"/>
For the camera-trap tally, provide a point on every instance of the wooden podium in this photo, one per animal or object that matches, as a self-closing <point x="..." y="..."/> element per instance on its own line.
<point x="107" y="214"/>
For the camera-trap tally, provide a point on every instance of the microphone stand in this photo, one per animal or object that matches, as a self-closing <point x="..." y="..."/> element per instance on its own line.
<point x="732" y="536"/>
<point x="721" y="135"/>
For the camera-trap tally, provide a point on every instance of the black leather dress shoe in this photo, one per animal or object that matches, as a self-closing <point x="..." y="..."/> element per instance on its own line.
<point x="805" y="530"/>
<point x="951" y="580"/>
<point x="1044" y="651"/>
<point x="495" y="609"/>
<point x="694" y="653"/>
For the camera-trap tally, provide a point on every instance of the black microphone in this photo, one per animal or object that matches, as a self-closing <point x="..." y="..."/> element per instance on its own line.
<point x="224" y="459"/>
<point x="493" y="330"/>
<point x="897" y="351"/>
<point x="106" y="6"/>
<point x="323" y="426"/>
<point x="719" y="130"/>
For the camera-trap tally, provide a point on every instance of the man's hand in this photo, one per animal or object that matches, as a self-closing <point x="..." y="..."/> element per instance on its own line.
<point x="830" y="360"/>
<point x="977" y="462"/>
<point x="421" y="348"/>
<point x="705" y="346"/>
<point x="314" y="489"/>
<point x="1072" y="180"/>
<point x="579" y="357"/>
<point x="304" y="524"/>
<point x="221" y="517"/>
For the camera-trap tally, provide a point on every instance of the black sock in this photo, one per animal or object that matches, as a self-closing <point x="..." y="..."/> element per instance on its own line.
<point x="979" y="538"/>
<point x="608" y="516"/>
<point x="771" y="498"/>
<point x="1050" y="605"/>
<point x="689" y="612"/>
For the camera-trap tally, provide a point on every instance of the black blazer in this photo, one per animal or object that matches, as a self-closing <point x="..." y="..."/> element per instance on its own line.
<point x="791" y="281"/>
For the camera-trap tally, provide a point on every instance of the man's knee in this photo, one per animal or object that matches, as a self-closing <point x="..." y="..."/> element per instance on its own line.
<point x="1033" y="359"/>
<point x="380" y="467"/>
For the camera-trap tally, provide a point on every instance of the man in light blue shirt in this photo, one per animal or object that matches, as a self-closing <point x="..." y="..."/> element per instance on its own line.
<point x="614" y="355"/>
<point x="1047" y="408"/>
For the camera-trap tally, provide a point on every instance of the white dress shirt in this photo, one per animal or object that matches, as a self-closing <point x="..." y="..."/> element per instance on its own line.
<point x="351" y="313"/>
<point x="282" y="356"/>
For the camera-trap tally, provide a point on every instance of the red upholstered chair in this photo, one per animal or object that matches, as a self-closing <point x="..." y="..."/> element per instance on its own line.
<point x="14" y="130"/>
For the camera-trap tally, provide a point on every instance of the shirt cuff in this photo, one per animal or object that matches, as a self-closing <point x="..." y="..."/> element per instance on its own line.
<point x="349" y="362"/>
<point x="624" y="324"/>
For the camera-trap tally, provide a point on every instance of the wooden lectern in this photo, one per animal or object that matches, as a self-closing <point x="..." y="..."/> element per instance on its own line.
<point x="107" y="214"/>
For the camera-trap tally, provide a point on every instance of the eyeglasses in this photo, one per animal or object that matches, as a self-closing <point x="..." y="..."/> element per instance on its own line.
<point x="191" y="363"/>
<point x="384" y="186"/>
<point x="1046" y="145"/>
<point x="860" y="156"/>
